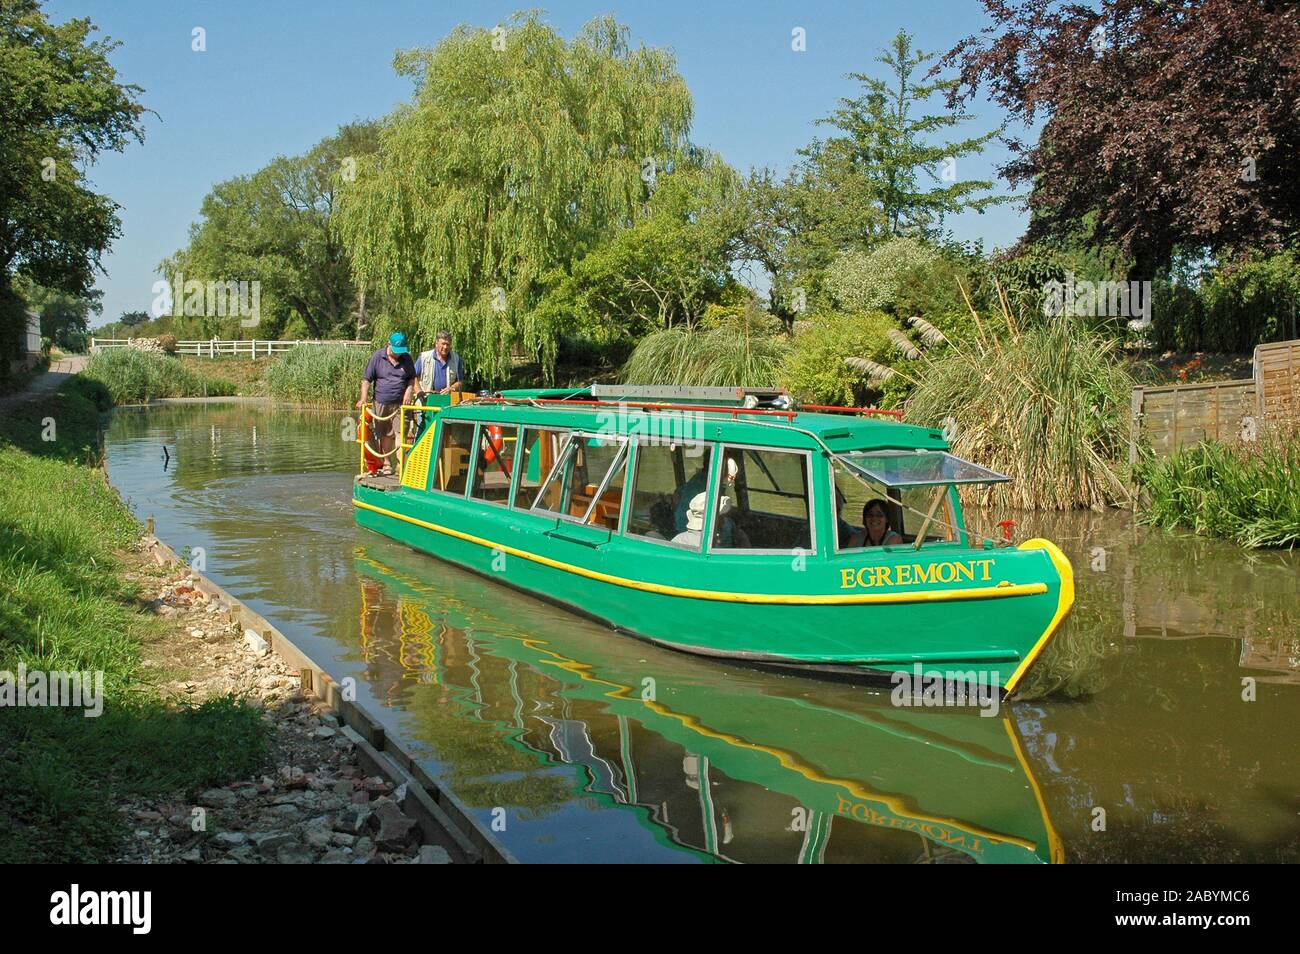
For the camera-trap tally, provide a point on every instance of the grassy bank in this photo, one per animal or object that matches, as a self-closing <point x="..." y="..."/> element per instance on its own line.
<point x="319" y="376"/>
<point x="1247" y="493"/>
<point x="132" y="377"/>
<point x="70" y="600"/>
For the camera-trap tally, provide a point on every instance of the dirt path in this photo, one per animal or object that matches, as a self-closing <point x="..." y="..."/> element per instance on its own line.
<point x="46" y="384"/>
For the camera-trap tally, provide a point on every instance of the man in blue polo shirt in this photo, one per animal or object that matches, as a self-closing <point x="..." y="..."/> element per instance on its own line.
<point x="393" y="375"/>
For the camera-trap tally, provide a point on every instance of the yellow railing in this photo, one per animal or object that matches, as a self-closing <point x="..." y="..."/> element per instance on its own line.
<point x="400" y="446"/>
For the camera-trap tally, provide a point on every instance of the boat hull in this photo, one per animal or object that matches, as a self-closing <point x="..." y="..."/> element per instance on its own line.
<point x="964" y="615"/>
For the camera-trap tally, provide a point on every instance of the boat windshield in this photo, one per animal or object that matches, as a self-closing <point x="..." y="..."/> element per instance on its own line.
<point x="919" y="468"/>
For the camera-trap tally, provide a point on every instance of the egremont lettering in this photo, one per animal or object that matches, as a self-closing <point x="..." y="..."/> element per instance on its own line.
<point x="916" y="574"/>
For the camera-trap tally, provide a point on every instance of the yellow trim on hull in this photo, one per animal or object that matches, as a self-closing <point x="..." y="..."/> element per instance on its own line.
<point x="1002" y="590"/>
<point x="1064" y="600"/>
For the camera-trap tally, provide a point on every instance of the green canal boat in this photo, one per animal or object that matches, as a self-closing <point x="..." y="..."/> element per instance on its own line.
<point x="730" y="523"/>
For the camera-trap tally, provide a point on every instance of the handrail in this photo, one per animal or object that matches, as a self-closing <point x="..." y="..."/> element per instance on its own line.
<point x="400" y="446"/>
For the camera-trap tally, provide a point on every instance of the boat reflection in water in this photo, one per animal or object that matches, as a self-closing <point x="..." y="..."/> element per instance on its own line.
<point x="712" y="762"/>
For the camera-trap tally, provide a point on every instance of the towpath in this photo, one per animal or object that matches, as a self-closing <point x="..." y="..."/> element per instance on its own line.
<point x="46" y="384"/>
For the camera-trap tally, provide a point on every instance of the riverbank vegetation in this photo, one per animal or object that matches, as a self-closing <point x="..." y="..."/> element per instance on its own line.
<point x="1043" y="404"/>
<point x="70" y="602"/>
<point x="319" y="376"/>
<point x="133" y="377"/>
<point x="1245" y="492"/>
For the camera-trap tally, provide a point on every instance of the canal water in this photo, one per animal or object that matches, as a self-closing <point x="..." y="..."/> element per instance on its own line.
<point x="1161" y="726"/>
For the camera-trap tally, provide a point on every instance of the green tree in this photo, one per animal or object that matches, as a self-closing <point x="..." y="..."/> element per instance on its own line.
<point x="518" y="151"/>
<point x="276" y="227"/>
<point x="62" y="107"/>
<point x="875" y="165"/>
<point x="667" y="268"/>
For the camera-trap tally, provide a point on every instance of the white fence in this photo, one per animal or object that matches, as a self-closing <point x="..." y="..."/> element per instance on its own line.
<point x="214" y="348"/>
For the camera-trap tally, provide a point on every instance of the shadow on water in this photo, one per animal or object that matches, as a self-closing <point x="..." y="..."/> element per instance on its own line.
<point x="1135" y="738"/>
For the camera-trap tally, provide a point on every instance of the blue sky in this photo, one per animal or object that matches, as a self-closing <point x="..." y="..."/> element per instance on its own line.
<point x="278" y="77"/>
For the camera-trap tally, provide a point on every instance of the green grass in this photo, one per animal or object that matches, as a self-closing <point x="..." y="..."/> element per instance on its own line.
<point x="1247" y="493"/>
<point x="133" y="377"/>
<point x="66" y="604"/>
<point x="318" y="375"/>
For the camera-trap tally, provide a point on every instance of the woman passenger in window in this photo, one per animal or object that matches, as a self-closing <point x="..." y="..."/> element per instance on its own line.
<point x="875" y="530"/>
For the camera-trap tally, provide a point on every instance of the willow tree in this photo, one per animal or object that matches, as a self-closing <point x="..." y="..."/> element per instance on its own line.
<point x="518" y="151"/>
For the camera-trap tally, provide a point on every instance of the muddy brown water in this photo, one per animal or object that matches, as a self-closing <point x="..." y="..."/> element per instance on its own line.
<point x="1160" y="726"/>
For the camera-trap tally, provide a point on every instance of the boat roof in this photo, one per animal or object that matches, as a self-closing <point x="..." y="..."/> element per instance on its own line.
<point x="712" y="420"/>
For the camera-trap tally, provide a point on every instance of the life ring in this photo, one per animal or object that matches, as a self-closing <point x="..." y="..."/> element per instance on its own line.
<point x="494" y="447"/>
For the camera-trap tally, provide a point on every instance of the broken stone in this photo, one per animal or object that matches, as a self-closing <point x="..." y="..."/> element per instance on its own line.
<point x="217" y="798"/>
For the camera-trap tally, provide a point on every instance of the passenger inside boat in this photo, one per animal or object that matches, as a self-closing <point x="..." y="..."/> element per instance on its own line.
<point x="695" y="511"/>
<point x="876" y="530"/>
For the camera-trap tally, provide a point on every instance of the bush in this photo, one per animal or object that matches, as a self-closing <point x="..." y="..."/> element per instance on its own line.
<point x="319" y="375"/>
<point x="1248" y="493"/>
<point x="861" y="281"/>
<point x="167" y="343"/>
<point x="134" y="376"/>
<point x="1047" y="405"/>
<point x="815" y="371"/>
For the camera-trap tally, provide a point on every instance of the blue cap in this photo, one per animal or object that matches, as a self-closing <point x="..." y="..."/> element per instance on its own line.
<point x="397" y="341"/>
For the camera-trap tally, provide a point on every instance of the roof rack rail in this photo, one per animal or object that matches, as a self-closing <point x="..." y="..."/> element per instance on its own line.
<point x="734" y="410"/>
<point x="684" y="392"/>
<point x="840" y="409"/>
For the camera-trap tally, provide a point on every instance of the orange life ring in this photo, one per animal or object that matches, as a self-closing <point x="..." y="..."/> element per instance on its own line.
<point x="492" y="443"/>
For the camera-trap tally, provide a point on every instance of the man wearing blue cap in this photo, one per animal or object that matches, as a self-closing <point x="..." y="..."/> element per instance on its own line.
<point x="393" y="375"/>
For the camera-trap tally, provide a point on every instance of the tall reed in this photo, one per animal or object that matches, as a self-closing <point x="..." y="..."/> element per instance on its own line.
<point x="133" y="376"/>
<point x="321" y="376"/>
<point x="1045" y="403"/>
<point x="718" y="357"/>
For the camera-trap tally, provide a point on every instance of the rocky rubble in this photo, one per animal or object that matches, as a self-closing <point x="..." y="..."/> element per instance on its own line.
<point x="312" y="804"/>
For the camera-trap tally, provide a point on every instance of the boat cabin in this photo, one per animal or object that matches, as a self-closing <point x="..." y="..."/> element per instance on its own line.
<point x="696" y="469"/>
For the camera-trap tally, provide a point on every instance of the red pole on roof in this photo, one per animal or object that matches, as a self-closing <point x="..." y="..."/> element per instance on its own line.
<point x="851" y="410"/>
<point x="646" y="405"/>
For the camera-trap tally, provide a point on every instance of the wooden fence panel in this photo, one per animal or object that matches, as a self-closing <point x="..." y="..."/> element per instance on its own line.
<point x="1173" y="416"/>
<point x="1277" y="380"/>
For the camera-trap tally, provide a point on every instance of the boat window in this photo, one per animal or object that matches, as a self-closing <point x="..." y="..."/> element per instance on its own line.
<point x="667" y="477"/>
<point x="455" y="443"/>
<point x="582" y="485"/>
<point x="853" y="491"/>
<point x="536" y="458"/>
<point x="494" y="464"/>
<point x="918" y="468"/>
<point x="769" y="505"/>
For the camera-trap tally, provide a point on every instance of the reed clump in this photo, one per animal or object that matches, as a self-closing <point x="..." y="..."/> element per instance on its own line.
<point x="319" y="376"/>
<point x="717" y="357"/>
<point x="1247" y="492"/>
<point x="133" y="376"/>
<point x="1044" y="403"/>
